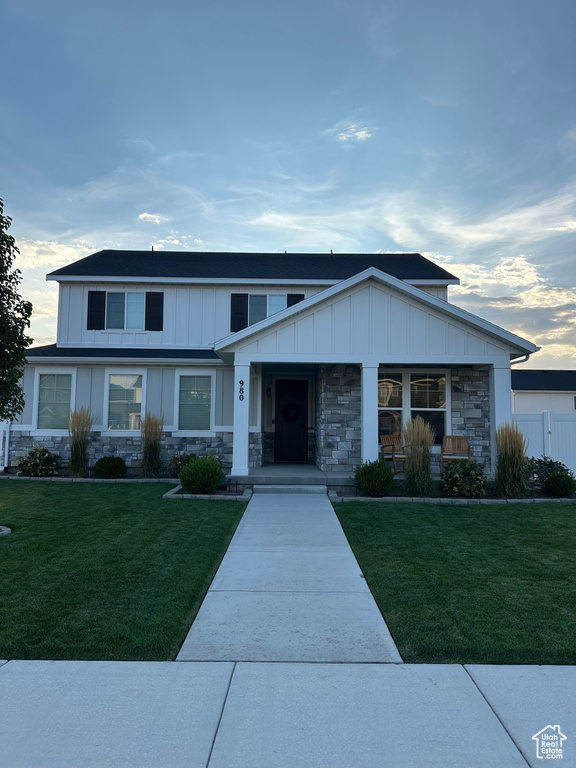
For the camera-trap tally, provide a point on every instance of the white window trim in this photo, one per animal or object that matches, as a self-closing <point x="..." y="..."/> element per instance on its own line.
<point x="51" y="370"/>
<point x="195" y="432"/>
<point x="407" y="409"/>
<point x="122" y="371"/>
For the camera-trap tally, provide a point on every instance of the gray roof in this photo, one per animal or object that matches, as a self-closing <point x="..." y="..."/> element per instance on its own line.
<point x="142" y="353"/>
<point x="271" y="266"/>
<point x="544" y="381"/>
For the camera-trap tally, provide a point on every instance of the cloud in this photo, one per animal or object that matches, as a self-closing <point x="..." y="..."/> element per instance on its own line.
<point x="46" y="253"/>
<point x="154" y="218"/>
<point x="568" y="226"/>
<point x="348" y="132"/>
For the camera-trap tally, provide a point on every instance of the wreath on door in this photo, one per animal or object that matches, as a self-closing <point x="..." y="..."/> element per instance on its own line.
<point x="291" y="412"/>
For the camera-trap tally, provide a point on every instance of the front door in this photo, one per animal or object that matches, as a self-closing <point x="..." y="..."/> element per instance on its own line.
<point x="291" y="421"/>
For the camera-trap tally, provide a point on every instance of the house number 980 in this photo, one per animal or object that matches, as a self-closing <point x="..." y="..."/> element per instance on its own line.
<point x="241" y="390"/>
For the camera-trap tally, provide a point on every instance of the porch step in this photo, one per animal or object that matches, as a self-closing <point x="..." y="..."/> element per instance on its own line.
<point x="290" y="489"/>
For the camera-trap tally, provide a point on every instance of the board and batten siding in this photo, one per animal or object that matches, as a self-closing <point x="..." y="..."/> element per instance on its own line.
<point x="371" y="321"/>
<point x="160" y="392"/>
<point x="194" y="316"/>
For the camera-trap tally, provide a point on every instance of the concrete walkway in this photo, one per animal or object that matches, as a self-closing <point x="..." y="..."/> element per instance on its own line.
<point x="289" y="589"/>
<point x="305" y="680"/>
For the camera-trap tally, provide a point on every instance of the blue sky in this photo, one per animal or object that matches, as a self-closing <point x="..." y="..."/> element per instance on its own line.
<point x="447" y="128"/>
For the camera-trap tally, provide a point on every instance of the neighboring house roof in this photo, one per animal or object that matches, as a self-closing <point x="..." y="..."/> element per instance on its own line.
<point x="543" y="381"/>
<point x="141" y="353"/>
<point x="256" y="266"/>
<point x="521" y="345"/>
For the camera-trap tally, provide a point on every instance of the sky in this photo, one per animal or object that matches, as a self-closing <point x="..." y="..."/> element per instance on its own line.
<point x="446" y="128"/>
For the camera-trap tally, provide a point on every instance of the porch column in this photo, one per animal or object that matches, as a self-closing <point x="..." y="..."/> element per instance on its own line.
<point x="369" y="412"/>
<point x="241" y="419"/>
<point x="500" y="402"/>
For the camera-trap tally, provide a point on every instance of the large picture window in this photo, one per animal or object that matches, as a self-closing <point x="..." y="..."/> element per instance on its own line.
<point x="125" y="401"/>
<point x="407" y="394"/>
<point x="195" y="402"/>
<point x="54" y="396"/>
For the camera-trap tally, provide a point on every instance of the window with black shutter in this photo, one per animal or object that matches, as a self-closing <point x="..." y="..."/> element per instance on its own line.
<point x="154" y="311"/>
<point x="238" y="311"/>
<point x="294" y="298"/>
<point x="96" y="311"/>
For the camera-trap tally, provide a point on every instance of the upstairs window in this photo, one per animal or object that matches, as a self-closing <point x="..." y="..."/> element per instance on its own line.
<point x="247" y="309"/>
<point x="125" y="311"/>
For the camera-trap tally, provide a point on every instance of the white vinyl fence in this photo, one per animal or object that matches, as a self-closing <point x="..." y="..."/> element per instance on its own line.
<point x="549" y="434"/>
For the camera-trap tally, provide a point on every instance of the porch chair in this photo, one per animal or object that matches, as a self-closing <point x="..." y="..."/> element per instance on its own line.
<point x="454" y="448"/>
<point x="391" y="449"/>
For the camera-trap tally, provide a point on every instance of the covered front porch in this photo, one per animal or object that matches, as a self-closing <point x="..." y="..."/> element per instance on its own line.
<point x="309" y="381"/>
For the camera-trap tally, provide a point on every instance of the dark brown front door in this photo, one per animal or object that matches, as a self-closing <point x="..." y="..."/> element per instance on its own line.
<point x="291" y="421"/>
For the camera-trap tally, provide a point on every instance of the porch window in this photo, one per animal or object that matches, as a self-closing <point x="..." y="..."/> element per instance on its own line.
<point x="407" y="394"/>
<point x="125" y="401"/>
<point x="389" y="403"/>
<point x="54" y="393"/>
<point x="195" y="402"/>
<point x="428" y="400"/>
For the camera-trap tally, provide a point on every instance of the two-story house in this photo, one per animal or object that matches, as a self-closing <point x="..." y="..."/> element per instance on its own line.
<point x="265" y="358"/>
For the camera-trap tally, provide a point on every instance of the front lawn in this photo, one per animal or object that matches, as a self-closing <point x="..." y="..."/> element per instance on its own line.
<point x="471" y="584"/>
<point x="104" y="571"/>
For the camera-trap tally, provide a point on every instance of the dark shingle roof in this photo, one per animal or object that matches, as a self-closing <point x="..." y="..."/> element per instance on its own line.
<point x="544" y="381"/>
<point x="267" y="266"/>
<point x="51" y="350"/>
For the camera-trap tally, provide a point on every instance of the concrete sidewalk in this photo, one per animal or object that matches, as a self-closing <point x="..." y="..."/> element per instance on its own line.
<point x="72" y="714"/>
<point x="289" y="589"/>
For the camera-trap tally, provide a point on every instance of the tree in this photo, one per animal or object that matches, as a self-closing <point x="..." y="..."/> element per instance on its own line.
<point x="14" y="320"/>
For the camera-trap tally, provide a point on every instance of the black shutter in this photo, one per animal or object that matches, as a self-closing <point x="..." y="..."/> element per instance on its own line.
<point x="96" y="311"/>
<point x="294" y="298"/>
<point x="154" y="312"/>
<point x="238" y="311"/>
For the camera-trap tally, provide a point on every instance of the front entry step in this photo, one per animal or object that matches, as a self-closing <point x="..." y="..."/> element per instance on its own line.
<point x="290" y="489"/>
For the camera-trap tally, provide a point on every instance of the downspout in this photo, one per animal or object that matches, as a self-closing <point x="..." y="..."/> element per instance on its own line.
<point x="6" y="430"/>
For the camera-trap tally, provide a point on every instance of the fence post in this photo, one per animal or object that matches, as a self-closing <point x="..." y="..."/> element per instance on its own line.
<point x="547" y="426"/>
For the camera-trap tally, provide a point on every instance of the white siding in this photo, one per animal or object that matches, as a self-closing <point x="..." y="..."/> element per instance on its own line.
<point x="194" y="316"/>
<point x="373" y="320"/>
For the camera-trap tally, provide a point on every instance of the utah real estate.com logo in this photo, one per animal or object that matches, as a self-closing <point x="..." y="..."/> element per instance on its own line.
<point x="549" y="743"/>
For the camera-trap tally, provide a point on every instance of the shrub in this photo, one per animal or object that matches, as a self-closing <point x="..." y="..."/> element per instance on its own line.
<point x="110" y="468"/>
<point x="374" y="478"/>
<point x="151" y="434"/>
<point x="80" y="429"/>
<point x="540" y="469"/>
<point x="560" y="484"/>
<point x="511" y="475"/>
<point x="39" y="463"/>
<point x="177" y="463"/>
<point x="464" y="479"/>
<point x="203" y="475"/>
<point x="418" y="439"/>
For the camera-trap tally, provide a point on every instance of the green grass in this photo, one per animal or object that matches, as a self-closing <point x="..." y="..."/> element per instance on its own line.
<point x="104" y="571"/>
<point x="471" y="584"/>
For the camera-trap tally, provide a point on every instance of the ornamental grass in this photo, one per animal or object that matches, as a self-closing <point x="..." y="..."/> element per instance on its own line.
<point x="511" y="467"/>
<point x="418" y="439"/>
<point x="151" y="434"/>
<point x="80" y="426"/>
